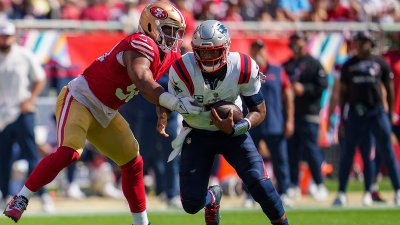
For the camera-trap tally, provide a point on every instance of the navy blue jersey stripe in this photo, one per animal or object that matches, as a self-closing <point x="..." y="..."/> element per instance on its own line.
<point x="246" y="69"/>
<point x="184" y="75"/>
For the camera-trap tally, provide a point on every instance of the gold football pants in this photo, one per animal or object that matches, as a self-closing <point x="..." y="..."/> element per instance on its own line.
<point x="75" y="124"/>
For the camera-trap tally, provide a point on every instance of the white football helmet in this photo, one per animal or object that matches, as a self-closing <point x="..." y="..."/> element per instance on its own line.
<point x="210" y="43"/>
<point x="165" y="24"/>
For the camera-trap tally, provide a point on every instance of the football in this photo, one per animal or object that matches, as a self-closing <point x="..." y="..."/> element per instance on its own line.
<point x="223" y="108"/>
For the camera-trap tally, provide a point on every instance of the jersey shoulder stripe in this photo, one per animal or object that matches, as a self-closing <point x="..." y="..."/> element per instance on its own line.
<point x="245" y="69"/>
<point x="181" y="71"/>
<point x="144" y="51"/>
<point x="143" y="44"/>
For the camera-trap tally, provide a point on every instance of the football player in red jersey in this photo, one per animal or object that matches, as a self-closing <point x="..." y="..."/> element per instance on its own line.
<point x="87" y="107"/>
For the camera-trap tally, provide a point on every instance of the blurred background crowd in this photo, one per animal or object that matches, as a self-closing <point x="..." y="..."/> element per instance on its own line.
<point x="232" y="10"/>
<point x="277" y="54"/>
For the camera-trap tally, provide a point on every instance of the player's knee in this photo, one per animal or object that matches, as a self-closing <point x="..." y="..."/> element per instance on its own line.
<point x="129" y="152"/>
<point x="265" y="194"/>
<point x="252" y="172"/>
<point x="133" y="166"/>
<point x="74" y="140"/>
<point x="262" y="189"/>
<point x="64" y="156"/>
<point x="192" y="206"/>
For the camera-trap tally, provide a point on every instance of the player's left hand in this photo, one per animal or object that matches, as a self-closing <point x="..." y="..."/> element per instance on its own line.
<point x="162" y="119"/>
<point x="27" y="106"/>
<point x="224" y="125"/>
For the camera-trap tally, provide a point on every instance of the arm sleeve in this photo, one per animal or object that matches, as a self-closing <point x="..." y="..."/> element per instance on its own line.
<point x="253" y="86"/>
<point x="253" y="100"/>
<point x="320" y="81"/>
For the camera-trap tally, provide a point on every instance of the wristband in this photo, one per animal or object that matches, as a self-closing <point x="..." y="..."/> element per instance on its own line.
<point x="241" y="127"/>
<point x="168" y="100"/>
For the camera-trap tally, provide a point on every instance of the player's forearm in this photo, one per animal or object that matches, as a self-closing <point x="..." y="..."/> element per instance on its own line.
<point x="142" y="77"/>
<point x="255" y="118"/>
<point x="139" y="72"/>
<point x="151" y="91"/>
<point x="256" y="114"/>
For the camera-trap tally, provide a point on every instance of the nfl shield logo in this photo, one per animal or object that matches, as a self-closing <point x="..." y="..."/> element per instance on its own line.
<point x="159" y="13"/>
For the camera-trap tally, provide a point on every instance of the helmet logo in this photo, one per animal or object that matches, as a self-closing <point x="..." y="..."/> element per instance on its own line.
<point x="159" y="13"/>
<point x="222" y="29"/>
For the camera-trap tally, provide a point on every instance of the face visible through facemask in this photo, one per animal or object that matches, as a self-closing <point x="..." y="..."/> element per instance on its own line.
<point x="172" y="35"/>
<point x="208" y="57"/>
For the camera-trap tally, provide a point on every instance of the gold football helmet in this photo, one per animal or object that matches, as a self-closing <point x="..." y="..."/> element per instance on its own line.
<point x="165" y="24"/>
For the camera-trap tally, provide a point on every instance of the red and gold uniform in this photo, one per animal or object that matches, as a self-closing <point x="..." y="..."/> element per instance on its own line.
<point x="87" y="108"/>
<point x="108" y="78"/>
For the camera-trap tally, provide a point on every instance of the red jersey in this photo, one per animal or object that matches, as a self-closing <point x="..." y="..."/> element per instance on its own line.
<point x="108" y="78"/>
<point x="393" y="59"/>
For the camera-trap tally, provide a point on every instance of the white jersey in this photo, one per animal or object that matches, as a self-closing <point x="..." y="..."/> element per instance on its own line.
<point x="185" y="78"/>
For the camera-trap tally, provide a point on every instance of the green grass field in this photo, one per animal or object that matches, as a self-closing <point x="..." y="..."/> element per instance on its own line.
<point x="388" y="216"/>
<point x="313" y="215"/>
<point x="357" y="185"/>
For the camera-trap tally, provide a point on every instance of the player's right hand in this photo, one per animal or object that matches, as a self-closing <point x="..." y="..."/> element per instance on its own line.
<point x="185" y="106"/>
<point x="224" y="125"/>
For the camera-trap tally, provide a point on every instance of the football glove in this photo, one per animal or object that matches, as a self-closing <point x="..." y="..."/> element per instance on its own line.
<point x="181" y="104"/>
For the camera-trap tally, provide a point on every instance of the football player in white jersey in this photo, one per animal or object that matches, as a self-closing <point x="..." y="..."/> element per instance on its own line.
<point x="210" y="74"/>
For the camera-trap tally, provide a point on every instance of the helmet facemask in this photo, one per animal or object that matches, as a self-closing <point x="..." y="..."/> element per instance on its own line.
<point x="210" y="58"/>
<point x="210" y="44"/>
<point x="170" y="37"/>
